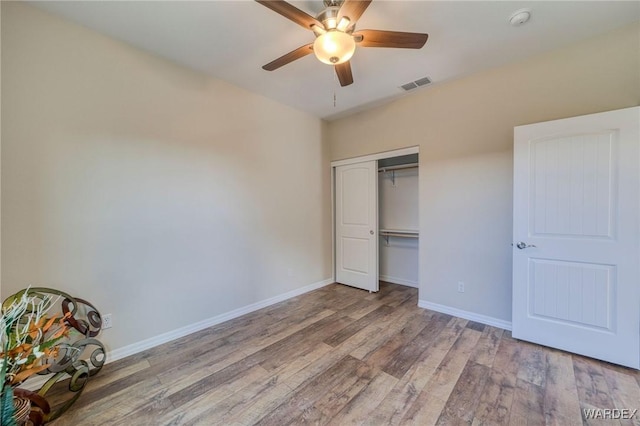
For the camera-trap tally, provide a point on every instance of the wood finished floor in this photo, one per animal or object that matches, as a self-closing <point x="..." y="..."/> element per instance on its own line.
<point x="342" y="356"/>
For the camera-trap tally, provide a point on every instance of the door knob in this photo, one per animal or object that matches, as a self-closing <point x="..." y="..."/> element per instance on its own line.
<point x="522" y="245"/>
<point x="371" y="231"/>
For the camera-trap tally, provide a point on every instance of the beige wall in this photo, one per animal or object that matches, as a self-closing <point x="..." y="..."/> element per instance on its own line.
<point x="464" y="129"/>
<point x="167" y="198"/>
<point x="1" y="298"/>
<point x="162" y="196"/>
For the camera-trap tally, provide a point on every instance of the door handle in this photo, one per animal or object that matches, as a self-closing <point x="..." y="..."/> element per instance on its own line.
<point x="371" y="232"/>
<point x="522" y="245"/>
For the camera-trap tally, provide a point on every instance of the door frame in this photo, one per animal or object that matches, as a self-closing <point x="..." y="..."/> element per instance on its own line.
<point x="354" y="160"/>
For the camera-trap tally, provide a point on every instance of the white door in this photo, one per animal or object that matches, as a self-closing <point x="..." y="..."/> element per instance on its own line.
<point x="357" y="225"/>
<point x="576" y="254"/>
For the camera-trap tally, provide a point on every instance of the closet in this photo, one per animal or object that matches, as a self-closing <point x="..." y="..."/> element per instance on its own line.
<point x="376" y="219"/>
<point x="398" y="220"/>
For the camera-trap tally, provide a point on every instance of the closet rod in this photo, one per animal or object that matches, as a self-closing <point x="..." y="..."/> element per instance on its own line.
<point x="386" y="233"/>
<point x="398" y="167"/>
<point x="399" y="234"/>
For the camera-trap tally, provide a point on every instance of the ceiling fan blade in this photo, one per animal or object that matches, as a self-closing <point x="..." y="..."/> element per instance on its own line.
<point x="353" y="9"/>
<point x="298" y="53"/>
<point x="344" y="73"/>
<point x="379" y="38"/>
<point x="291" y="12"/>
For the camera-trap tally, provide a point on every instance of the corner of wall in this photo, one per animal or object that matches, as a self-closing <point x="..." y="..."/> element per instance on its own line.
<point x="471" y="316"/>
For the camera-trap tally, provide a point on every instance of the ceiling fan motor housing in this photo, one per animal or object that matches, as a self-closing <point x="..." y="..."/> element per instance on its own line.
<point x="329" y="17"/>
<point x="329" y="3"/>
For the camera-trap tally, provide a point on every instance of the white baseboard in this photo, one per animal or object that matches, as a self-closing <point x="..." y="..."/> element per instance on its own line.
<point x="472" y="316"/>
<point x="37" y="382"/>
<point x="394" y="280"/>
<point x="201" y="325"/>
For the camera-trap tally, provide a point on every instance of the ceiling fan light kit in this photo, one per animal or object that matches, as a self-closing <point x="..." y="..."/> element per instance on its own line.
<point x="336" y="40"/>
<point x="334" y="47"/>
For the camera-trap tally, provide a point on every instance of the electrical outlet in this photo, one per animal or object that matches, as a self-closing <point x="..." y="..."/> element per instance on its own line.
<point x="460" y="287"/>
<point x="106" y="321"/>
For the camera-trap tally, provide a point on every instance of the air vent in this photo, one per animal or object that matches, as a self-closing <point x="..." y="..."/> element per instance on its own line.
<point x="415" y="84"/>
<point x="409" y="86"/>
<point x="423" y="81"/>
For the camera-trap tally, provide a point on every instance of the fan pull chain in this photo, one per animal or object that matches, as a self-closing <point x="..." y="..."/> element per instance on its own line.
<point x="336" y="82"/>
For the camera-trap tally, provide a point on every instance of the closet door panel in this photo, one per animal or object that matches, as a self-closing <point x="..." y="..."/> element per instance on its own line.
<point x="356" y="225"/>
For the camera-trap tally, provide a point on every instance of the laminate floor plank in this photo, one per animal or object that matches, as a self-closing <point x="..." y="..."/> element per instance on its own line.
<point x="294" y="345"/>
<point x="593" y="390"/>
<point x="182" y="369"/>
<point x="113" y="406"/>
<point x="306" y="395"/>
<point x="264" y="340"/>
<point x="487" y="346"/>
<point x="533" y="368"/>
<point x="299" y="343"/>
<point x="401" y="360"/>
<point x="194" y="369"/>
<point x="343" y="356"/>
<point x="59" y="393"/>
<point x="359" y="410"/>
<point x="382" y="354"/>
<point x="201" y="385"/>
<point x="400" y="399"/>
<point x="395" y="295"/>
<point x="496" y="399"/>
<point x="624" y="391"/>
<point x="498" y="393"/>
<point x="465" y="396"/>
<point x="527" y="408"/>
<point x="428" y="406"/>
<point x="256" y="394"/>
<point x="357" y="325"/>
<point x="339" y="352"/>
<point x="392" y="325"/>
<point x="234" y="331"/>
<point x="561" y="404"/>
<point x="197" y="409"/>
<point x="361" y="308"/>
<point x="335" y="399"/>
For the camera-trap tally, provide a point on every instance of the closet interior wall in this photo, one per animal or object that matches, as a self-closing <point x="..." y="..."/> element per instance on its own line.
<point x="398" y="220"/>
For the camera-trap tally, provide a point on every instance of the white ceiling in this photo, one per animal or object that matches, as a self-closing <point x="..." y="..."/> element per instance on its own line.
<point x="231" y="40"/>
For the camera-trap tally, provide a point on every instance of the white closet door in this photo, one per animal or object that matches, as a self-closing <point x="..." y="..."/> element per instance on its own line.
<point x="357" y="225"/>
<point x="576" y="255"/>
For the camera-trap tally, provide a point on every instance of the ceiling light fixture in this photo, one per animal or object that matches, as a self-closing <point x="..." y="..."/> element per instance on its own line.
<point x="334" y="47"/>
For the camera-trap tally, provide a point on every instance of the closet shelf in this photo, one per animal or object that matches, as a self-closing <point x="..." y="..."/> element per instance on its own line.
<point x="402" y="233"/>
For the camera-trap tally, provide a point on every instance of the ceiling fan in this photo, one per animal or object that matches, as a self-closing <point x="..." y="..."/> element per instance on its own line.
<point x="336" y="38"/>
